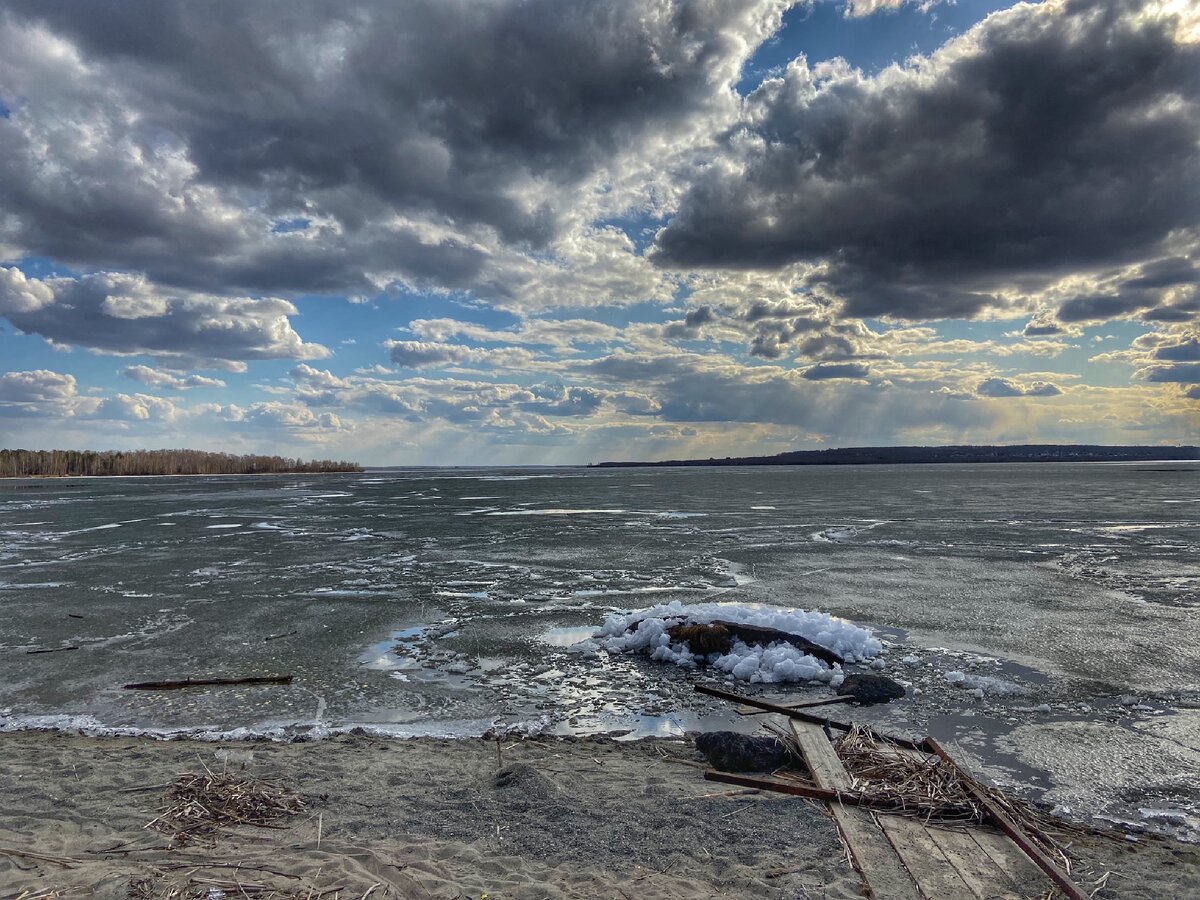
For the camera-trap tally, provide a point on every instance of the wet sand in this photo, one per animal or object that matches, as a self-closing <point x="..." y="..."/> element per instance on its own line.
<point x="434" y="818"/>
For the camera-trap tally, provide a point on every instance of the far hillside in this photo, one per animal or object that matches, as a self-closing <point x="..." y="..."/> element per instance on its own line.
<point x="68" y="463"/>
<point x="1006" y="453"/>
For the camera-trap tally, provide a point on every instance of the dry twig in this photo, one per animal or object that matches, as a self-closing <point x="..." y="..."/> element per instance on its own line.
<point x="199" y="804"/>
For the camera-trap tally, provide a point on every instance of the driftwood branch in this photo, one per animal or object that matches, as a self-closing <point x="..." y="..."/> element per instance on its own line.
<point x="205" y="682"/>
<point x="792" y="713"/>
<point x="808" y="704"/>
<point x="844" y="798"/>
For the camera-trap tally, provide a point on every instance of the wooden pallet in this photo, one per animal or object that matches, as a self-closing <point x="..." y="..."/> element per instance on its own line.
<point x="899" y="858"/>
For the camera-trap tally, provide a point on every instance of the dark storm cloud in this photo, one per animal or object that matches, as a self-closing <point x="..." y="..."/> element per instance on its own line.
<point x="1167" y="272"/>
<point x="1182" y="373"/>
<point x="290" y="146"/>
<point x="1162" y="290"/>
<point x="1188" y="351"/>
<point x="824" y="371"/>
<point x="693" y="322"/>
<point x="1042" y="329"/>
<point x="1050" y="139"/>
<point x="1102" y="307"/>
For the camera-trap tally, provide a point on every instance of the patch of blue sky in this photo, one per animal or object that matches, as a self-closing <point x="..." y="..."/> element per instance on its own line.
<point x="284" y="226"/>
<point x="639" y="228"/>
<point x="41" y="267"/>
<point x="29" y="352"/>
<point x="821" y="30"/>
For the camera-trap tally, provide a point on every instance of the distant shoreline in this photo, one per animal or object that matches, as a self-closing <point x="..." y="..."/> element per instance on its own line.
<point x="167" y="475"/>
<point x="971" y="454"/>
<point x="22" y="463"/>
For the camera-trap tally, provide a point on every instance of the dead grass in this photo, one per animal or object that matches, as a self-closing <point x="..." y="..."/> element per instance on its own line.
<point x="201" y="803"/>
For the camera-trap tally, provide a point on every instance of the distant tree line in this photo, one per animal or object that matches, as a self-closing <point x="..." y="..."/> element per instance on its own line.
<point x="852" y="456"/>
<point x="31" y="463"/>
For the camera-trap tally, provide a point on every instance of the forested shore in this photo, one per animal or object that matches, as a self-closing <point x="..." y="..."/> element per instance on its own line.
<point x="68" y="463"/>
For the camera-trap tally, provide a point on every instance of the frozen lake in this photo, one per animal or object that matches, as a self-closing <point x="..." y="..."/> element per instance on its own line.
<point x="447" y="601"/>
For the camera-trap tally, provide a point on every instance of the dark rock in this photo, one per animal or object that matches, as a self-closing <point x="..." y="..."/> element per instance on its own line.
<point x="871" y="688"/>
<point x="735" y="752"/>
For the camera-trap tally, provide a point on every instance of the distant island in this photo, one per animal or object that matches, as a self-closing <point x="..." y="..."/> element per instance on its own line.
<point x="857" y="456"/>
<point x="69" y="463"/>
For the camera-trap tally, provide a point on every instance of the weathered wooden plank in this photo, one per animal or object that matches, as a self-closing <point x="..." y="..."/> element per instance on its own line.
<point x="942" y="869"/>
<point x="1001" y="820"/>
<point x="884" y="877"/>
<point x="1028" y="880"/>
<point x="977" y="870"/>
<point x="820" y="757"/>
<point x="1021" y="876"/>
<point x="936" y="877"/>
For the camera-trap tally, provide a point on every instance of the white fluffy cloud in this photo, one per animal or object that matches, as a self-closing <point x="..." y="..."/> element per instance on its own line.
<point x="127" y="314"/>
<point x="158" y="378"/>
<point x="38" y="386"/>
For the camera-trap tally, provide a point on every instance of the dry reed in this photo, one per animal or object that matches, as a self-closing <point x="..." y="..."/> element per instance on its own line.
<point x="198" y="804"/>
<point x="928" y="788"/>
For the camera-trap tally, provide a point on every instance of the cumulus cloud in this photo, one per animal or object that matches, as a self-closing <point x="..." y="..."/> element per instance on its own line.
<point x="159" y="378"/>
<point x="39" y="385"/>
<point x="1004" y="387"/>
<point x="128" y="314"/>
<point x="134" y="408"/>
<point x="432" y="354"/>
<point x="1041" y="328"/>
<point x="318" y="378"/>
<point x="295" y="419"/>
<point x="1181" y="373"/>
<point x="1048" y="139"/>
<point x="562" y="335"/>
<point x="47" y="394"/>
<point x="860" y="8"/>
<point x="690" y="327"/>
<point x="1187" y="351"/>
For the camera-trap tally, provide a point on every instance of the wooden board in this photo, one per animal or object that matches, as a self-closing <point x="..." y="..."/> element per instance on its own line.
<point x="884" y="877"/>
<point x="936" y="876"/>
<point x="900" y="857"/>
<point x="1010" y="874"/>
<point x="1028" y="879"/>
<point x="977" y="870"/>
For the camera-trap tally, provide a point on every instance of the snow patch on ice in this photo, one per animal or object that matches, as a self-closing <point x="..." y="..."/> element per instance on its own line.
<point x="646" y="629"/>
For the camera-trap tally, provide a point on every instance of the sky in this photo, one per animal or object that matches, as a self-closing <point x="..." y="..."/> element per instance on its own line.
<point x="561" y="231"/>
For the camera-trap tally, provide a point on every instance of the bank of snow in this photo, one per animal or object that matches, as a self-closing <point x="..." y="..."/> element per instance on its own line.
<point x="646" y="629"/>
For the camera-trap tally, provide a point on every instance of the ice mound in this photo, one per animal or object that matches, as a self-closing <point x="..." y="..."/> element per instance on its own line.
<point x="646" y="629"/>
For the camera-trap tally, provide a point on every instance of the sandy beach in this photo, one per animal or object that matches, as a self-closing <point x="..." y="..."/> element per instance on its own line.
<point x="435" y="818"/>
